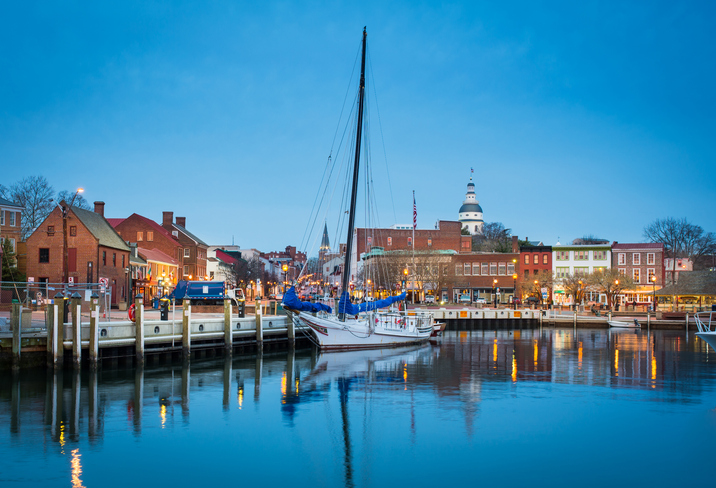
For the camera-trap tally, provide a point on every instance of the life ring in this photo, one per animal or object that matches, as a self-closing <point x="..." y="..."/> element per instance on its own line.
<point x="130" y="312"/>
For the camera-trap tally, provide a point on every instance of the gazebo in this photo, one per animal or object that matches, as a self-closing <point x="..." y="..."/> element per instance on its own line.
<point x="695" y="291"/>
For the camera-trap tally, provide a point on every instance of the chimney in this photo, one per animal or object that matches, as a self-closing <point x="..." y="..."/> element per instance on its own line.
<point x="181" y="221"/>
<point x="167" y="219"/>
<point x="515" y="244"/>
<point x="99" y="208"/>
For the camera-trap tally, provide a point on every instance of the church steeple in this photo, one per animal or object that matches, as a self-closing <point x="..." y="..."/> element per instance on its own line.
<point x="325" y="243"/>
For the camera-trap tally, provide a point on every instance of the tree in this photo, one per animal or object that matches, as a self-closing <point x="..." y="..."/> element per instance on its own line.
<point x="610" y="282"/>
<point x="494" y="238"/>
<point x="35" y="194"/>
<point x="532" y="285"/>
<point x="9" y="263"/>
<point x="575" y="285"/>
<point x="79" y="200"/>
<point x="464" y="231"/>
<point x="589" y="239"/>
<point x="4" y="192"/>
<point x="681" y="239"/>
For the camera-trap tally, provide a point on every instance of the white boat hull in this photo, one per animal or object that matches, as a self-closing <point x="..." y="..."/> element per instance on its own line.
<point x="374" y="330"/>
<point x="709" y="338"/>
<point x="623" y="325"/>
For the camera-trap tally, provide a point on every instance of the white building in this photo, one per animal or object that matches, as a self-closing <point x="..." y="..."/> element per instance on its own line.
<point x="470" y="214"/>
<point x="576" y="259"/>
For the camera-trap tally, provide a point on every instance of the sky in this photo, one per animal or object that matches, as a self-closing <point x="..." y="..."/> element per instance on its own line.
<point x="579" y="118"/>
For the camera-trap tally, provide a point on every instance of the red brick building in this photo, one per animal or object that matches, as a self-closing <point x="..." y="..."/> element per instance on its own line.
<point x="95" y="251"/>
<point x="534" y="259"/>
<point x="447" y="236"/>
<point x="193" y="249"/>
<point x="641" y="262"/>
<point x="10" y="222"/>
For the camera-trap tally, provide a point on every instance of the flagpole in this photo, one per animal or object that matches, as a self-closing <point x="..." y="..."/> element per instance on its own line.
<point x="415" y="223"/>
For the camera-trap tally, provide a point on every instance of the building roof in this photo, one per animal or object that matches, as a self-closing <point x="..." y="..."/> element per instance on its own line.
<point x="638" y="245"/>
<point x="692" y="283"/>
<point x="115" y="222"/>
<point x="189" y="235"/>
<point x="157" y="228"/>
<point x="100" y="228"/>
<point x="471" y="207"/>
<point x="156" y="256"/>
<point x="8" y="203"/>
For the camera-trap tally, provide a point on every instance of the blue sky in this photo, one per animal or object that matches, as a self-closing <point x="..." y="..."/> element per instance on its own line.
<point x="578" y="117"/>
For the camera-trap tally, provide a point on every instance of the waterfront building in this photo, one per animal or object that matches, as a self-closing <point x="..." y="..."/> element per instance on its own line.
<point x="470" y="214"/>
<point x="644" y="263"/>
<point x="10" y="222"/>
<point x="193" y="248"/>
<point x="491" y="277"/>
<point x="533" y="259"/>
<point x="693" y="292"/>
<point x="673" y="267"/>
<point x="95" y="252"/>
<point x="578" y="259"/>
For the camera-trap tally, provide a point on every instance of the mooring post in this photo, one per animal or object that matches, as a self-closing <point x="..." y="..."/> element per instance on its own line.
<point x="51" y="325"/>
<point x="139" y="327"/>
<point x="648" y="320"/>
<point x="259" y="325"/>
<point x="185" y="330"/>
<point x="291" y="332"/>
<point x="228" y="338"/>
<point x="76" y="330"/>
<point x="16" y="324"/>
<point x="575" y="320"/>
<point x="93" y="332"/>
<point x="687" y="322"/>
<point x="609" y="316"/>
<point x="58" y="337"/>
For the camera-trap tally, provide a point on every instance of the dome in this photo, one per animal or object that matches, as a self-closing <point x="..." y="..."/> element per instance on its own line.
<point x="470" y="207"/>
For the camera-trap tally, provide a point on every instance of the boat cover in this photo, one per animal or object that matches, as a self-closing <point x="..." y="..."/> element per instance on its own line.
<point x="290" y="300"/>
<point x="345" y="305"/>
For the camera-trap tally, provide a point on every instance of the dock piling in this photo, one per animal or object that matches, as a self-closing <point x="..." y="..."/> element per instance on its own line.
<point x="185" y="330"/>
<point x="259" y="325"/>
<point x="93" y="335"/>
<point x="228" y="337"/>
<point x="139" y="327"/>
<point x="16" y="324"/>
<point x="76" y="329"/>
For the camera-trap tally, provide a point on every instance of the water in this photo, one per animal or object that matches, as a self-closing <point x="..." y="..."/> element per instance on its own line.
<point x="491" y="408"/>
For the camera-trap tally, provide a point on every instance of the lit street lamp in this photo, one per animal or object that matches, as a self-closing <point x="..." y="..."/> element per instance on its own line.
<point x="494" y="284"/>
<point x="65" y="252"/>
<point x="653" y="285"/>
<point x="514" y="290"/>
<point x="285" y="276"/>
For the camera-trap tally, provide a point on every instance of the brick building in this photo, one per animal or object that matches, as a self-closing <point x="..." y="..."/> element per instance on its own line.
<point x="194" y="250"/>
<point x="95" y="251"/>
<point x="150" y="236"/>
<point x="644" y="263"/>
<point x="10" y="222"/>
<point x="485" y="276"/>
<point x="447" y="236"/>
<point x="534" y="259"/>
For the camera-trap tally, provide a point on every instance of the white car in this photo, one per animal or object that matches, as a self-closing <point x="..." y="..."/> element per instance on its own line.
<point x="429" y="298"/>
<point x="480" y="300"/>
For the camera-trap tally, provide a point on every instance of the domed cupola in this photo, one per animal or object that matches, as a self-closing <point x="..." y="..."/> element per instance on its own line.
<point x="470" y="214"/>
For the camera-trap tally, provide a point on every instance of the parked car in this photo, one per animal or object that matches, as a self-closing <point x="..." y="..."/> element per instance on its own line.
<point x="429" y="298"/>
<point x="529" y="300"/>
<point x="480" y="300"/>
<point x="464" y="298"/>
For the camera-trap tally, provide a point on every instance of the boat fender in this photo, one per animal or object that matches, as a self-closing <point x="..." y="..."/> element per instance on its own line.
<point x="130" y="312"/>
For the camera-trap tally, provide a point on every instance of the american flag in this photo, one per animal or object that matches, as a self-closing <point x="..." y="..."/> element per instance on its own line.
<point x="415" y="212"/>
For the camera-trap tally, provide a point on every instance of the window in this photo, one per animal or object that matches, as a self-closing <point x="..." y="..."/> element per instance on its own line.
<point x="175" y="233"/>
<point x="140" y="236"/>
<point x="458" y="270"/>
<point x="123" y="263"/>
<point x="50" y="230"/>
<point x="476" y="269"/>
<point x="636" y="258"/>
<point x="390" y="241"/>
<point x="536" y="259"/>
<point x="12" y="219"/>
<point x="510" y="269"/>
<point x="650" y="258"/>
<point x="545" y="258"/>
<point x="562" y="272"/>
<point x="562" y="256"/>
<point x="527" y="259"/>
<point x="73" y="230"/>
<point x="621" y="259"/>
<point x="44" y="255"/>
<point x="186" y="270"/>
<point x="502" y="269"/>
<point x="600" y="255"/>
<point x="467" y="269"/>
<point x="104" y="258"/>
<point x="2" y="217"/>
<point x="527" y="273"/>
<point x="370" y="241"/>
<point x="599" y="269"/>
<point x="430" y="243"/>
<point x="12" y="243"/>
<point x="581" y="270"/>
<point x="650" y="273"/>
<point x="493" y="269"/>
<point x="484" y="271"/>
<point x="581" y="255"/>
<point x="187" y="252"/>
<point x="622" y="270"/>
<point x="635" y="273"/>
<point x="114" y="259"/>
<point x="410" y="241"/>
<point x="150" y="236"/>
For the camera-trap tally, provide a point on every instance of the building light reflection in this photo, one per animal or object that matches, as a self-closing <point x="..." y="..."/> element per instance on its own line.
<point x="240" y="397"/>
<point x="616" y="362"/>
<point x="62" y="435"/>
<point x="536" y="353"/>
<point x="405" y="375"/>
<point x="494" y="353"/>
<point x="580" y="351"/>
<point x="76" y="469"/>
<point x="163" y="414"/>
<point x="514" y="367"/>
<point x="653" y="370"/>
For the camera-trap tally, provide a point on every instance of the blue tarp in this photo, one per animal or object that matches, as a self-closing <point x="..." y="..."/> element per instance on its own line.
<point x="345" y="306"/>
<point x="290" y="300"/>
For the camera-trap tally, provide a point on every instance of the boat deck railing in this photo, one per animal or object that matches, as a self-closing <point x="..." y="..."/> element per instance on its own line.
<point x="705" y="321"/>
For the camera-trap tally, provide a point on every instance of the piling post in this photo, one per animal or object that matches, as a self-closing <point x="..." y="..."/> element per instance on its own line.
<point x="185" y="330"/>
<point x="574" y="321"/>
<point x="687" y="322"/>
<point x="51" y="323"/>
<point x="540" y="318"/>
<point x="16" y="324"/>
<point x="62" y="305"/>
<point x="291" y="332"/>
<point x="259" y="325"/>
<point x="76" y="330"/>
<point x="94" y="329"/>
<point x="228" y="338"/>
<point x="609" y="316"/>
<point x="139" y="328"/>
<point x="648" y="320"/>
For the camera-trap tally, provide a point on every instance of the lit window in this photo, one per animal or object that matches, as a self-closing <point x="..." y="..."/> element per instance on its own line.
<point x="650" y="273"/>
<point x="536" y="259"/>
<point x="545" y="259"/>
<point x="150" y="236"/>
<point x="467" y="269"/>
<point x="621" y="259"/>
<point x="140" y="236"/>
<point x="636" y="258"/>
<point x="650" y="258"/>
<point x="527" y="259"/>
<point x="390" y="241"/>
<point x="635" y="272"/>
<point x="430" y="243"/>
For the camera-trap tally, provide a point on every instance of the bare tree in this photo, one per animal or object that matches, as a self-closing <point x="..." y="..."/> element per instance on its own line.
<point x="532" y="285"/>
<point x="494" y="238"/>
<point x="610" y="282"/>
<point x="79" y="200"/>
<point x="4" y="192"/>
<point x="681" y="239"/>
<point x="34" y="193"/>
<point x="589" y="239"/>
<point x="575" y="285"/>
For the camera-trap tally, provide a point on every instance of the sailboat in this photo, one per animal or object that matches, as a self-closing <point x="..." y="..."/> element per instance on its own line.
<point x="362" y="326"/>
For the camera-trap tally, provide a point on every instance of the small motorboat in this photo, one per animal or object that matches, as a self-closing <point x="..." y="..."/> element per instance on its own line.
<point x="624" y="325"/>
<point x="438" y="328"/>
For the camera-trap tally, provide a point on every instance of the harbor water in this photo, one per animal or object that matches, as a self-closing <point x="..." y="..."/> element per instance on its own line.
<point x="538" y="408"/>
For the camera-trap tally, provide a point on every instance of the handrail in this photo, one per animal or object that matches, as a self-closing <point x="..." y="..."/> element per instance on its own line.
<point x="701" y="319"/>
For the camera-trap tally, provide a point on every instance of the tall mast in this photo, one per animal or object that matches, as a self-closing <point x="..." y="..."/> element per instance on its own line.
<point x="354" y="192"/>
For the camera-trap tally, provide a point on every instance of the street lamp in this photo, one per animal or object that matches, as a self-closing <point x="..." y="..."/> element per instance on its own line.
<point x="285" y="277"/>
<point x="494" y="284"/>
<point x="65" y="254"/>
<point x="537" y="291"/>
<point x="514" y="290"/>
<point x="579" y="293"/>
<point x="653" y="284"/>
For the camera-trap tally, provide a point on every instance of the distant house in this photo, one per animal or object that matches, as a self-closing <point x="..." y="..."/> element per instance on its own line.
<point x="10" y="222"/>
<point x="95" y="252"/>
<point x="194" y="250"/>
<point x="644" y="263"/>
<point x="694" y="291"/>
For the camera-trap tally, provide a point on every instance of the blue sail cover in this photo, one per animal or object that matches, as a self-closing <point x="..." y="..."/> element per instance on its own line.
<point x="290" y="300"/>
<point x="345" y="305"/>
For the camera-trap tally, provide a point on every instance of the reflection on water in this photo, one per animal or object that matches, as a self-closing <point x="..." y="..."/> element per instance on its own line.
<point x="486" y="395"/>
